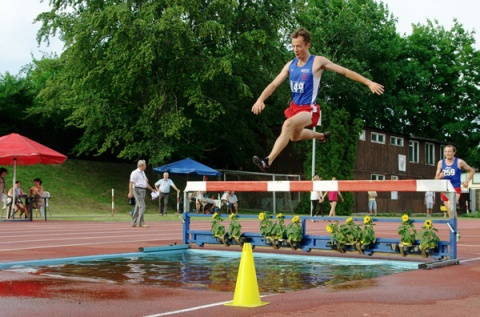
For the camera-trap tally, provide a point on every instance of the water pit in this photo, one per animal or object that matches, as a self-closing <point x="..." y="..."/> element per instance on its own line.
<point x="212" y="270"/>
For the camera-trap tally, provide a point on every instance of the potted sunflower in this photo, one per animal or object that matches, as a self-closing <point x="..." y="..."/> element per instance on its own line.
<point x="218" y="229"/>
<point x="335" y="236"/>
<point x="352" y="233"/>
<point x="344" y="235"/>
<point x="368" y="234"/>
<point x="407" y="234"/>
<point x="279" y="229"/>
<point x="235" y="229"/>
<point x="266" y="224"/>
<point x="428" y="238"/>
<point x="273" y="231"/>
<point x="294" y="232"/>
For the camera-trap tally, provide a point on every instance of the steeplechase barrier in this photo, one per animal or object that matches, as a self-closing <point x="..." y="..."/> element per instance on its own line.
<point x="446" y="250"/>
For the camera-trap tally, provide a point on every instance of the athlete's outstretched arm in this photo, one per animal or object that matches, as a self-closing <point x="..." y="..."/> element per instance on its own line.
<point x="260" y="104"/>
<point x="329" y="65"/>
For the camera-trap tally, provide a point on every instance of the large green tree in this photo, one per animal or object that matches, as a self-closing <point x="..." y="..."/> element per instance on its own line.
<point x="168" y="79"/>
<point x="162" y="79"/>
<point x="437" y="91"/>
<point x="15" y="97"/>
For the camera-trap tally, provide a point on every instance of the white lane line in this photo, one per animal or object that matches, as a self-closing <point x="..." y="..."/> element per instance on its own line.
<point x="194" y="308"/>
<point x="91" y="234"/>
<point x="151" y="237"/>
<point x="469" y="260"/>
<point x="188" y="309"/>
<point x="76" y="245"/>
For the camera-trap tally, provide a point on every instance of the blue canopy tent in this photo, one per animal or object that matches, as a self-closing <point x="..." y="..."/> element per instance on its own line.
<point x="186" y="166"/>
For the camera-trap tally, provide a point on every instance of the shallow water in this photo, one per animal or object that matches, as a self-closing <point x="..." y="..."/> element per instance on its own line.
<point x="218" y="270"/>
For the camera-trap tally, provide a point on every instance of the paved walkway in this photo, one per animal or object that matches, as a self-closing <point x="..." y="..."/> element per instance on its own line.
<point x="449" y="291"/>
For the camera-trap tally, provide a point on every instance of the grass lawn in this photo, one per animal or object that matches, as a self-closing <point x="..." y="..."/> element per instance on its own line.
<point x="82" y="190"/>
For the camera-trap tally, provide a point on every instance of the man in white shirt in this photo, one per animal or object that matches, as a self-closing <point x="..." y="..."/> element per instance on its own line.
<point x="233" y="200"/>
<point x="163" y="186"/>
<point x="137" y="187"/>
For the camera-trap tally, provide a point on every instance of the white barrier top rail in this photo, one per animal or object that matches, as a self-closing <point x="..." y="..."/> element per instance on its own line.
<point x="410" y="185"/>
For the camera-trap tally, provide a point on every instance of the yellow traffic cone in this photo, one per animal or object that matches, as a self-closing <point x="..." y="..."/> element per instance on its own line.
<point x="246" y="289"/>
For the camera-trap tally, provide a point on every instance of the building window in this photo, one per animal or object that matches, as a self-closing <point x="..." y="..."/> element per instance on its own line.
<point x="378" y="138"/>
<point x="402" y="163"/>
<point x="442" y="148"/>
<point x="377" y="177"/>
<point x="362" y="135"/>
<point x="429" y="153"/>
<point x="396" y="141"/>
<point x="413" y="152"/>
<point x="394" y="195"/>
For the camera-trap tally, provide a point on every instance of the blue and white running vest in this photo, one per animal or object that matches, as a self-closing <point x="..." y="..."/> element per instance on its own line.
<point x="303" y="84"/>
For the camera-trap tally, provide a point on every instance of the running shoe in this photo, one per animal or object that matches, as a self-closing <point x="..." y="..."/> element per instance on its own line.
<point x="262" y="164"/>
<point x="326" y="135"/>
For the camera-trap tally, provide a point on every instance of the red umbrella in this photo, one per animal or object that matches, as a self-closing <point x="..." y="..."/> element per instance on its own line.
<point x="17" y="149"/>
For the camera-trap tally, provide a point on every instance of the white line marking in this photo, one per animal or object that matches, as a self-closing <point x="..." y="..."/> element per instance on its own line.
<point x="76" y="245"/>
<point x="188" y="309"/>
<point x="474" y="259"/>
<point x="194" y="308"/>
<point x="158" y="235"/>
<point x="91" y="236"/>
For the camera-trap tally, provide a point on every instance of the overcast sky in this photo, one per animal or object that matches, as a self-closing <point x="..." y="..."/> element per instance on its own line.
<point x="18" y="35"/>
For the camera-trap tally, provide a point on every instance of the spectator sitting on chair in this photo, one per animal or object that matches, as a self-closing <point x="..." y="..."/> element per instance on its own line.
<point x="203" y="201"/>
<point x="233" y="202"/>
<point x="196" y="196"/>
<point x="19" y="206"/>
<point x="36" y="191"/>
<point x="224" y="200"/>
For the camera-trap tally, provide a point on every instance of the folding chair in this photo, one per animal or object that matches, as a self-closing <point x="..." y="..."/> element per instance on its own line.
<point x="225" y="205"/>
<point x="4" y="200"/>
<point x="7" y="205"/>
<point x="45" y="207"/>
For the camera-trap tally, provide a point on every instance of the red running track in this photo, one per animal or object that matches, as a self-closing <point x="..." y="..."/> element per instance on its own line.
<point x="449" y="291"/>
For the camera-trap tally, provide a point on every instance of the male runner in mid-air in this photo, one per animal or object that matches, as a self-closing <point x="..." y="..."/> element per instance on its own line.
<point x="305" y="71"/>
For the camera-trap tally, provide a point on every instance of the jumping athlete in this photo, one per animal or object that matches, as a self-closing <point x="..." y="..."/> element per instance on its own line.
<point x="305" y="71"/>
<point x="451" y="168"/>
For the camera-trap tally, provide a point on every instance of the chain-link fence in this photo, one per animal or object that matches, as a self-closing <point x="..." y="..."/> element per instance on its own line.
<point x="284" y="202"/>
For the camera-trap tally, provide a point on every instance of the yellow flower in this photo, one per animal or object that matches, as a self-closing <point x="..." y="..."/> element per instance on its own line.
<point x="214" y="215"/>
<point x="367" y="219"/>
<point x="296" y="219"/>
<point x="405" y="218"/>
<point x="231" y="216"/>
<point x="428" y="223"/>
<point x="349" y="220"/>
<point x="279" y="216"/>
<point x="261" y="216"/>
<point x="443" y="208"/>
<point x="329" y="229"/>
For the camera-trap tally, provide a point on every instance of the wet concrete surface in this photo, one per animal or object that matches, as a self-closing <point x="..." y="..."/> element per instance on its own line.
<point x="448" y="291"/>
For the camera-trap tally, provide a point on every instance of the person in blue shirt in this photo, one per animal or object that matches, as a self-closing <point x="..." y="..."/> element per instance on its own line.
<point x="304" y="71"/>
<point x="163" y="186"/>
<point x="451" y="168"/>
